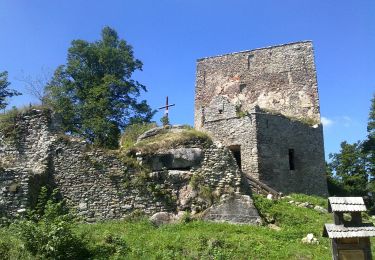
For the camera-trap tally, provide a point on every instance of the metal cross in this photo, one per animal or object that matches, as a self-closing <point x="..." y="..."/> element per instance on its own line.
<point x="167" y="106"/>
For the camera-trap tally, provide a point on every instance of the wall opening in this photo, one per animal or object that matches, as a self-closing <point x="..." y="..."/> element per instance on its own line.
<point x="236" y="151"/>
<point x="221" y="109"/>
<point x="242" y="87"/>
<point x="249" y="58"/>
<point x="291" y="160"/>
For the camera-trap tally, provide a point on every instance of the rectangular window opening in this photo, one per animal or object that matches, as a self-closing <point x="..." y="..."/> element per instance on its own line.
<point x="242" y="87"/>
<point x="291" y="160"/>
<point x="249" y="58"/>
<point x="236" y="151"/>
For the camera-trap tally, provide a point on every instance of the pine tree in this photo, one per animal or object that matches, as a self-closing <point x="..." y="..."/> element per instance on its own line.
<point x="5" y="92"/>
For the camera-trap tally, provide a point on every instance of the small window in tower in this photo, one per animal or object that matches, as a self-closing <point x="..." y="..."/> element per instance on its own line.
<point x="242" y="87"/>
<point x="221" y="109"/>
<point x="249" y="58"/>
<point x="291" y="160"/>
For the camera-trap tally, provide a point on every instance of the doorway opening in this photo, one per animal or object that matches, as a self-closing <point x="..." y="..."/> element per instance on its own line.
<point x="236" y="151"/>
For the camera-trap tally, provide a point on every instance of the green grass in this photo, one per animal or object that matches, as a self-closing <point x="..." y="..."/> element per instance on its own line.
<point x="132" y="132"/>
<point x="204" y="240"/>
<point x="167" y="140"/>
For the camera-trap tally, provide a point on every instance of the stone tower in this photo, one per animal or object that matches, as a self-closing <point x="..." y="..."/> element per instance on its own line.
<point x="263" y="104"/>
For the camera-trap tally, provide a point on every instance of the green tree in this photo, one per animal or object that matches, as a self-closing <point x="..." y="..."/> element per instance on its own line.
<point x="94" y="93"/>
<point x="5" y="92"/>
<point x="164" y="120"/>
<point x="369" y="145"/>
<point x="351" y="172"/>
<point x="349" y="169"/>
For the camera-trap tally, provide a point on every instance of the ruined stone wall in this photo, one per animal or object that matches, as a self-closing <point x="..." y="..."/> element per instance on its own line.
<point x="225" y="124"/>
<point x="102" y="184"/>
<point x="276" y="136"/>
<point x="28" y="146"/>
<point x="24" y="158"/>
<point x="279" y="78"/>
<point x="13" y="190"/>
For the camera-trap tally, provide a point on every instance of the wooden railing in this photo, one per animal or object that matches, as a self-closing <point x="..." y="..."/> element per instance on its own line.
<point x="261" y="188"/>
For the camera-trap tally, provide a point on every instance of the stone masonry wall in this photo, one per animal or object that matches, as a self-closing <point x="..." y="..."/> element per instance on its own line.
<point x="102" y="184"/>
<point x="99" y="185"/>
<point x="13" y="191"/>
<point x="256" y="102"/>
<point x="224" y="125"/>
<point x="277" y="135"/>
<point x="279" y="78"/>
<point x="264" y="140"/>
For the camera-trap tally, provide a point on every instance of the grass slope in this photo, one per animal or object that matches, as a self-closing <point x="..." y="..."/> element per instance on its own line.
<point x="205" y="240"/>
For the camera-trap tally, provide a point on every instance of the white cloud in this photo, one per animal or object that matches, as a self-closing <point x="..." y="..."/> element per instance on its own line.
<point x="347" y="121"/>
<point x="326" y="121"/>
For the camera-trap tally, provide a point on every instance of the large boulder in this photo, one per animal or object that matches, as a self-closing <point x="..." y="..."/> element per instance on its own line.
<point x="161" y="218"/>
<point x="237" y="209"/>
<point x="179" y="158"/>
<point x="159" y="130"/>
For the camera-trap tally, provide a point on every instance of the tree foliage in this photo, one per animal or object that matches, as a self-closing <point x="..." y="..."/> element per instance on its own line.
<point x="351" y="172"/>
<point x="94" y="93"/>
<point x="349" y="167"/>
<point x="5" y="92"/>
<point x="369" y="143"/>
<point x="47" y="231"/>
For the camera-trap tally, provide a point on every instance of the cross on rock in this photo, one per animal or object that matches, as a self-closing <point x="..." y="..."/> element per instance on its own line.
<point x="166" y="107"/>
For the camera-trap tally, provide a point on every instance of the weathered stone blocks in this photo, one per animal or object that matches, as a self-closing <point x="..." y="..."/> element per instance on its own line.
<point x="100" y="185"/>
<point x="263" y="105"/>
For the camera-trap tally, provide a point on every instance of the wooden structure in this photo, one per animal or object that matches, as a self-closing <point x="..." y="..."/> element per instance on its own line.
<point x="261" y="188"/>
<point x="350" y="237"/>
<point x="166" y="107"/>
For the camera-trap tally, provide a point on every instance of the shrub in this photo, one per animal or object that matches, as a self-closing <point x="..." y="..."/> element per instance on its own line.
<point x="195" y="181"/>
<point x="164" y="120"/>
<point x="51" y="239"/>
<point x="5" y="248"/>
<point x="8" y="124"/>
<point x="132" y="132"/>
<point x="186" y="218"/>
<point x="47" y="233"/>
<point x="111" y="245"/>
<point x="240" y="112"/>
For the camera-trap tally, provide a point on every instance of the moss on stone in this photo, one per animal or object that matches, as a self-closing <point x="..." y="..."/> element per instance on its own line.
<point x="306" y="120"/>
<point x="132" y="132"/>
<point x="169" y="139"/>
<point x="9" y="122"/>
<point x="240" y="112"/>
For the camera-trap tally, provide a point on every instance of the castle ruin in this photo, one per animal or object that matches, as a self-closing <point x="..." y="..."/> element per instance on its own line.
<point x="263" y="105"/>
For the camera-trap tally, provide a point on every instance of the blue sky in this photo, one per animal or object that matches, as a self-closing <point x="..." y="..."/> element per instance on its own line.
<point x="169" y="35"/>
